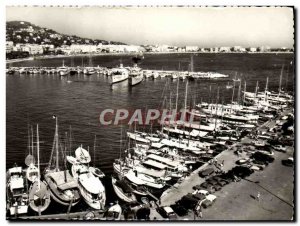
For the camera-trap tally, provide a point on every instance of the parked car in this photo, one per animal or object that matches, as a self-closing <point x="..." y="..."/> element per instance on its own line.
<point x="280" y="148"/>
<point x="262" y="157"/>
<point x="242" y="161"/>
<point x="217" y="187"/>
<point x="209" y="200"/>
<point x="241" y="171"/>
<point x="188" y="201"/>
<point x="288" y="162"/>
<point x="206" y="172"/>
<point x="179" y="210"/>
<point x="167" y="212"/>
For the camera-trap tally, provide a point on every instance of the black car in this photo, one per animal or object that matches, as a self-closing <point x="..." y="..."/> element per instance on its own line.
<point x="179" y="210"/>
<point x="167" y="212"/>
<point x="288" y="162"/>
<point x="217" y="187"/>
<point x="188" y="201"/>
<point x="222" y="183"/>
<point x="242" y="171"/>
<point x="206" y="172"/>
<point x="212" y="181"/>
<point x="262" y="157"/>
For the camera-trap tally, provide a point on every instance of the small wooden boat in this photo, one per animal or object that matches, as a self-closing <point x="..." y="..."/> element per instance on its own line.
<point x="97" y="172"/>
<point x="123" y="191"/>
<point x="82" y="155"/>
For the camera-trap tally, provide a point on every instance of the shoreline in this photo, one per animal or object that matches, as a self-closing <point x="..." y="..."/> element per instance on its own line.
<point x="46" y="57"/>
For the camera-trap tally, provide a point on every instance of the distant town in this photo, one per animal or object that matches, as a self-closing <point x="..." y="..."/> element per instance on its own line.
<point x="24" y="39"/>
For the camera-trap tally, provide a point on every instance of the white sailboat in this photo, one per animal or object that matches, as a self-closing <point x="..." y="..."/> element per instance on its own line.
<point x="32" y="171"/>
<point x="39" y="193"/>
<point x="63" y="187"/>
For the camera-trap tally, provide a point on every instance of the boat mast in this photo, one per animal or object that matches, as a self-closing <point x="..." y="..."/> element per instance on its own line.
<point x="233" y="89"/>
<point x="31" y="140"/>
<point x="70" y="140"/>
<point x="121" y="152"/>
<point x="176" y="104"/>
<point x="280" y="80"/>
<point x="94" y="150"/>
<point x="217" y="109"/>
<point x="244" y="92"/>
<point x="38" y="155"/>
<point x="65" y="160"/>
<point x="266" y="90"/>
<point x="185" y="98"/>
<point x="56" y="143"/>
<point x="239" y="93"/>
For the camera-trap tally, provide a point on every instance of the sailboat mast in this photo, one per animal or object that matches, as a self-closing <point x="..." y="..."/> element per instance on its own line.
<point x="239" y="93"/>
<point x="256" y="89"/>
<point x="280" y="80"/>
<point x="65" y="159"/>
<point x="94" y="150"/>
<point x="176" y="104"/>
<point x="31" y="140"/>
<point x="233" y="91"/>
<point x="185" y="97"/>
<point x="266" y="89"/>
<point x="38" y="155"/>
<point x="217" y="109"/>
<point x="244" y="92"/>
<point x="56" y="143"/>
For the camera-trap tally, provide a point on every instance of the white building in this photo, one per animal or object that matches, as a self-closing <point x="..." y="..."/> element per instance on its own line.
<point x="191" y="48"/>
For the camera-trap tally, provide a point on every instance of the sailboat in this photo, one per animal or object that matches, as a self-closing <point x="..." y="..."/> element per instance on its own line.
<point x="39" y="193"/>
<point x="63" y="187"/>
<point x="32" y="171"/>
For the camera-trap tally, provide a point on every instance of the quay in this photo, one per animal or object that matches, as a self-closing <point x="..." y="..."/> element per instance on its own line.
<point x="107" y="71"/>
<point x="235" y="201"/>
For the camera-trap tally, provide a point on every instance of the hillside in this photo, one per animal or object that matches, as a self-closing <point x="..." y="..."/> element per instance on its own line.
<point x="25" y="32"/>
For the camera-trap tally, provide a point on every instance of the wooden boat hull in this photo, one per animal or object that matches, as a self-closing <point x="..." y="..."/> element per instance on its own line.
<point x="61" y="198"/>
<point x="121" y="194"/>
<point x="39" y="195"/>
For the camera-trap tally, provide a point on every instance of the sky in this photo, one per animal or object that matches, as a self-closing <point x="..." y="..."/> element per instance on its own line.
<point x="179" y="26"/>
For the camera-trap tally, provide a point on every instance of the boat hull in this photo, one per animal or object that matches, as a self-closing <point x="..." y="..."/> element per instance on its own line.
<point x="42" y="192"/>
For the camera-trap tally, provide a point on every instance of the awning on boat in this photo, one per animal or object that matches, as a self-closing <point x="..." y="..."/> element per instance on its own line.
<point x="166" y="161"/>
<point x="62" y="180"/>
<point x="153" y="163"/>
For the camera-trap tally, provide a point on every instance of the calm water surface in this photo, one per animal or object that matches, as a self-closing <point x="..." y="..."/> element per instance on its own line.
<point x="32" y="99"/>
